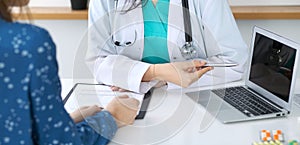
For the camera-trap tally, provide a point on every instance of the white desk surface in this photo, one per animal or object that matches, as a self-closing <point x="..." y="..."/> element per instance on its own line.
<point x="173" y="118"/>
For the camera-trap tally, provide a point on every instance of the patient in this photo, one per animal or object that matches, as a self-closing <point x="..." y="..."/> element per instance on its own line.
<point x="31" y="109"/>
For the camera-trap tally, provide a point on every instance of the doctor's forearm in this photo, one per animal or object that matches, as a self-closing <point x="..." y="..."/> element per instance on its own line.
<point x="179" y="73"/>
<point x="149" y="74"/>
<point x="157" y="72"/>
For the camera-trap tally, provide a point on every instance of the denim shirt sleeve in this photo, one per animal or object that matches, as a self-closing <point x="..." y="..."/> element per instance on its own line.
<point x="98" y="129"/>
<point x="95" y="130"/>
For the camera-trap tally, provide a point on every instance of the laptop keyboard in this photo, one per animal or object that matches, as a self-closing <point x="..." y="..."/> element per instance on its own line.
<point x="245" y="101"/>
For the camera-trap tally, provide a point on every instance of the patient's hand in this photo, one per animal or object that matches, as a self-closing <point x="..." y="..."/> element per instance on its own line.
<point x="84" y="112"/>
<point x="123" y="109"/>
<point x="114" y="88"/>
<point x="158" y="85"/>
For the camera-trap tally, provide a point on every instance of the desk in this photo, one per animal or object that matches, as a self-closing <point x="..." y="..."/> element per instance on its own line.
<point x="174" y="118"/>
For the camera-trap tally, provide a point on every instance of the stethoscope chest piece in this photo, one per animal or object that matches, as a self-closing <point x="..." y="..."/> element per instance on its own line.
<point x="188" y="51"/>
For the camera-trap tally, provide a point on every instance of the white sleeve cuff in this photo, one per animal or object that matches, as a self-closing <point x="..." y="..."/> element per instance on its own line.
<point x="135" y="78"/>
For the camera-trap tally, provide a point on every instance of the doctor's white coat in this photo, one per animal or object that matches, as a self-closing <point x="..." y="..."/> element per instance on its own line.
<point x="214" y="32"/>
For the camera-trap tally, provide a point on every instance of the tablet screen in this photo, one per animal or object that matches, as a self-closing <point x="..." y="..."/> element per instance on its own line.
<point x="101" y="95"/>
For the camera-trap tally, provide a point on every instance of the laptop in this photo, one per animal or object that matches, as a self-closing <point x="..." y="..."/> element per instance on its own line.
<point x="269" y="85"/>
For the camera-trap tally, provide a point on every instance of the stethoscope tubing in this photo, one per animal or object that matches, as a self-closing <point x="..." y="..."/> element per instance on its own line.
<point x="187" y="21"/>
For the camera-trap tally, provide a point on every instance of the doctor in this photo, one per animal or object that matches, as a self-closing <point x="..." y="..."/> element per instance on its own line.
<point x="135" y="44"/>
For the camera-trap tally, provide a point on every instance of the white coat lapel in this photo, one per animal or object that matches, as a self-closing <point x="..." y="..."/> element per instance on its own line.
<point x="129" y="27"/>
<point x="175" y="30"/>
<point x="197" y="29"/>
<point x="139" y="26"/>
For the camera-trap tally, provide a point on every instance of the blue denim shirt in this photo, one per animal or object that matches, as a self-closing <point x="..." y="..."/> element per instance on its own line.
<point x="31" y="109"/>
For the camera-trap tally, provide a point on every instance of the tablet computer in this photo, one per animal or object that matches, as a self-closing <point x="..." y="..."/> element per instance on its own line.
<point x="221" y="64"/>
<point x="83" y="94"/>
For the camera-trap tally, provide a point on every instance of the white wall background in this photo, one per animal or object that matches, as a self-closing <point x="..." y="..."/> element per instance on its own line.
<point x="67" y="35"/>
<point x="50" y="3"/>
<point x="263" y="2"/>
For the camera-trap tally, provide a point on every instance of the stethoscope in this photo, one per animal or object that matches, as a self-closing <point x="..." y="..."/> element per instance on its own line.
<point x="188" y="50"/>
<point x="118" y="43"/>
<point x="123" y="44"/>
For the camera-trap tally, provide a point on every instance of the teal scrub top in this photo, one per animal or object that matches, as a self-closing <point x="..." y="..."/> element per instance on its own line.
<point x="156" y="32"/>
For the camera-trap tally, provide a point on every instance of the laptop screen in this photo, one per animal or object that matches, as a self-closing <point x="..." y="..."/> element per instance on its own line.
<point x="272" y="66"/>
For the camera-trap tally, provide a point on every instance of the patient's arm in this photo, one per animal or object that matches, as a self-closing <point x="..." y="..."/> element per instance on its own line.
<point x="84" y="112"/>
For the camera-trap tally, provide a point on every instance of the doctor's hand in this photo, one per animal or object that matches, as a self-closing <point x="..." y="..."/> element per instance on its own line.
<point x="123" y="109"/>
<point x="179" y="73"/>
<point x="84" y="112"/>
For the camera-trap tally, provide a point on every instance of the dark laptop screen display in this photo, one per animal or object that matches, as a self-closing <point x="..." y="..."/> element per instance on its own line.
<point x="272" y="66"/>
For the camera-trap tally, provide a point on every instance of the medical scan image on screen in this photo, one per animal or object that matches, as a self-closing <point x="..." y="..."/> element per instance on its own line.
<point x="272" y="66"/>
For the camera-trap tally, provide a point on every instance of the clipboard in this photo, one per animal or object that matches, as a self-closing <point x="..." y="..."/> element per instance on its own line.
<point x="144" y="103"/>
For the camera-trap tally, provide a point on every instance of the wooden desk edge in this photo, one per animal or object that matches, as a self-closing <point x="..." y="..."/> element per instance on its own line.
<point x="52" y="13"/>
<point x="239" y="12"/>
<point x="266" y="12"/>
